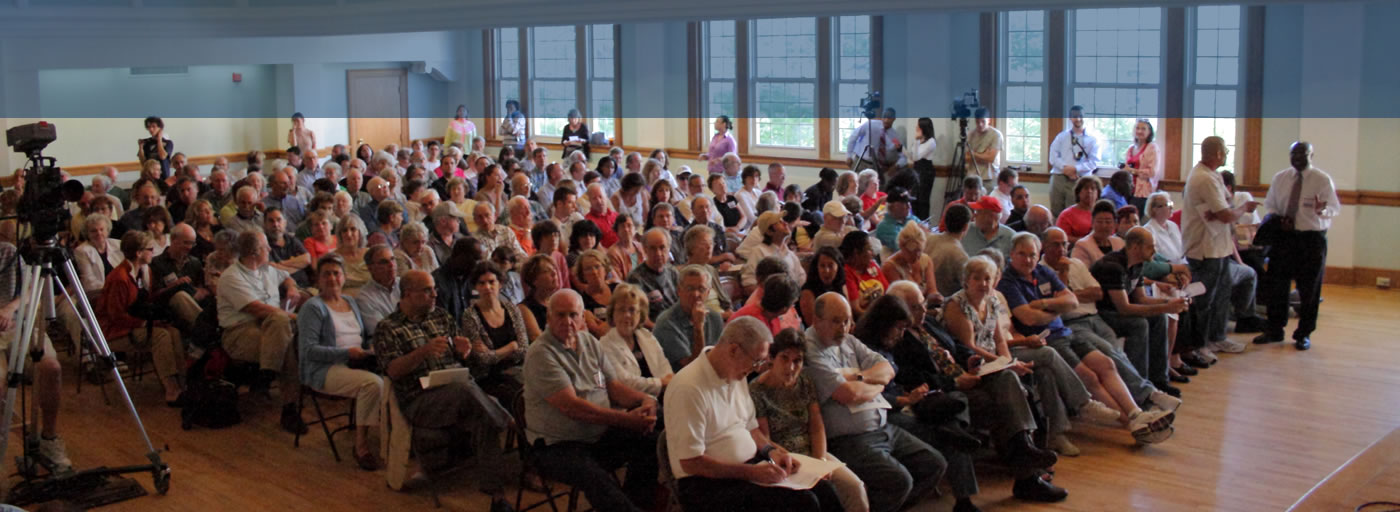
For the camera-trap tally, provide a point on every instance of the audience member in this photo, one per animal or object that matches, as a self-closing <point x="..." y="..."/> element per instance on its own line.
<point x="909" y="262"/>
<point x="686" y="327"/>
<point x="256" y="326"/>
<point x="989" y="231"/>
<point x="1208" y="236"/>
<point x="1078" y="220"/>
<point x="1074" y="155"/>
<point x="630" y="347"/>
<point x="380" y="296"/>
<point x="698" y="245"/>
<point x="898" y="203"/>
<point x="656" y="276"/>
<point x="865" y="282"/>
<point x="454" y="289"/>
<point x="1102" y="238"/>
<point x="129" y="286"/>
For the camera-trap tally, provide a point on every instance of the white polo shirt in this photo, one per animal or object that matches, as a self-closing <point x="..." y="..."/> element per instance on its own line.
<point x="1201" y="238"/>
<point x="240" y="286"/>
<point x="707" y="415"/>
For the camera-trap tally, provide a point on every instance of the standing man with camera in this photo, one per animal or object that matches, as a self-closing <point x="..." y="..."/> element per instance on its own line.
<point x="874" y="145"/>
<point x="984" y="149"/>
<point x="1074" y="153"/>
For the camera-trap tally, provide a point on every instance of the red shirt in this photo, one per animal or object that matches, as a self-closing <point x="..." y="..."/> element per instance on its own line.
<point x="119" y="292"/>
<point x="864" y="287"/>
<point x="1077" y="222"/>
<point x="776" y="325"/>
<point x="605" y="224"/>
<point x="316" y="249"/>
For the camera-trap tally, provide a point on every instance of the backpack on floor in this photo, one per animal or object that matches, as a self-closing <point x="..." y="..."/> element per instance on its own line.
<point x="210" y="401"/>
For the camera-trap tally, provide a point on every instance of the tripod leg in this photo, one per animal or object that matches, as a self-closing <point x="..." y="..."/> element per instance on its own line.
<point x="89" y="321"/>
<point x="17" y="352"/>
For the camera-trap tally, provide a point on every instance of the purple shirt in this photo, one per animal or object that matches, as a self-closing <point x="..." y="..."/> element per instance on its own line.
<point x="719" y="145"/>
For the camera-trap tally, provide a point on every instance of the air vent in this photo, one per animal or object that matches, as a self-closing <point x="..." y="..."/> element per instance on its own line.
<point x="160" y="70"/>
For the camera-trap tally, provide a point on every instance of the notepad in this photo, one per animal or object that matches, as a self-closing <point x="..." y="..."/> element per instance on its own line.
<point x="809" y="472"/>
<point x="996" y="365"/>
<point x="437" y="378"/>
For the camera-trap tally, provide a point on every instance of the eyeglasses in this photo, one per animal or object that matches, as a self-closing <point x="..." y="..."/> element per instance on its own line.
<point x="757" y="363"/>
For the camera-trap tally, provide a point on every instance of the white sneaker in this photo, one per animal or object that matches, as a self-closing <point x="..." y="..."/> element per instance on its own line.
<point x="1150" y="420"/>
<point x="1164" y="401"/>
<point x="57" y="454"/>
<point x="1227" y="346"/>
<point x="1096" y="412"/>
<point x="1154" y="436"/>
<point x="1061" y="445"/>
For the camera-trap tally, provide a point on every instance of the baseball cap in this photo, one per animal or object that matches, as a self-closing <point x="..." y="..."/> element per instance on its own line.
<point x="987" y="203"/>
<point x="446" y="208"/>
<point x="899" y="195"/>
<point x="767" y="220"/>
<point x="835" y="208"/>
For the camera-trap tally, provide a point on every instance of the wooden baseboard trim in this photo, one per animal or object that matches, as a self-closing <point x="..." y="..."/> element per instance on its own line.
<point x="1361" y="276"/>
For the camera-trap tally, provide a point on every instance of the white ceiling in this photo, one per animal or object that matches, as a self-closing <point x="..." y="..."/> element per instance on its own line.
<point x="235" y="18"/>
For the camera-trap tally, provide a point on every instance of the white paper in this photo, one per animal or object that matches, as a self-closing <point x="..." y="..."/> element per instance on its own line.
<point x="1194" y="289"/>
<point x="995" y="366"/>
<point x="1045" y="334"/>
<point x="440" y="377"/>
<point x="878" y="403"/>
<point x="809" y="472"/>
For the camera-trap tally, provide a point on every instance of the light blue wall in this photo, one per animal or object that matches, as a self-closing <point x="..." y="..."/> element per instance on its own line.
<point x="204" y="91"/>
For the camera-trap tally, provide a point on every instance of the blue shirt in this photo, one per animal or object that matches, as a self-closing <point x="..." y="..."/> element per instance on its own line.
<point x="888" y="231"/>
<point x="674" y="331"/>
<point x="1020" y="291"/>
<point x="1112" y="195"/>
<point x="824" y="365"/>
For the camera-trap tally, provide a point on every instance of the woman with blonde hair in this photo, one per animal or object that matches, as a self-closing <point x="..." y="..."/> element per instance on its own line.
<point x="350" y="246"/>
<point x="636" y="356"/>
<point x="909" y="262"/>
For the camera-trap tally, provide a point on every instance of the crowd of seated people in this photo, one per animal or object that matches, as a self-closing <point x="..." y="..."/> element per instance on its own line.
<point x="830" y="322"/>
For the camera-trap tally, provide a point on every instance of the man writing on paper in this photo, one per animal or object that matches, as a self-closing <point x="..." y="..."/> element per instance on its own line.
<point x="417" y="339"/>
<point x="720" y="457"/>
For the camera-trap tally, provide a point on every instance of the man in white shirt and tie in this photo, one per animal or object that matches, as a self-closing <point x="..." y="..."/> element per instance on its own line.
<point x="1073" y="153"/>
<point x="881" y="140"/>
<point x="1306" y="199"/>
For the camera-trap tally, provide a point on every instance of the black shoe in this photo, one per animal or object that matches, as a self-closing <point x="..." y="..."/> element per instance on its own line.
<point x="1249" y="325"/>
<point x="1021" y="453"/>
<point x="1195" y="361"/>
<point x="1302" y="343"/>
<point x="965" y="505"/>
<point x="954" y="437"/>
<point x="291" y="420"/>
<point x="1267" y="338"/>
<point x="1187" y="370"/>
<point x="1169" y="389"/>
<point x="1179" y="378"/>
<point x="1033" y="488"/>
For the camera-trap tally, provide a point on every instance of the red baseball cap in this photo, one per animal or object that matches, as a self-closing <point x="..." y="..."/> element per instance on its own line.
<point x="986" y="203"/>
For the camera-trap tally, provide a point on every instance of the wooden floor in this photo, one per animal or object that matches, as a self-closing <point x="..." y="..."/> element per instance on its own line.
<point x="1257" y="432"/>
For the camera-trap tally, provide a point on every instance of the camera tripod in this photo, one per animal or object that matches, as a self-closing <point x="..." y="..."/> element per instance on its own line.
<point x="958" y="169"/>
<point x="44" y="259"/>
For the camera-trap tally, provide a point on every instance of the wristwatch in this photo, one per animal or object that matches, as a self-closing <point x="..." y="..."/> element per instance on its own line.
<point x="860" y="377"/>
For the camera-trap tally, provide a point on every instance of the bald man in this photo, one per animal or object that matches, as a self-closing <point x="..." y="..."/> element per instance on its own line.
<point x="1208" y="237"/>
<point x="416" y="340"/>
<point x="656" y="276"/>
<point x="1036" y="221"/>
<point x="179" y="277"/>
<point x="898" y="469"/>
<point x="583" y="421"/>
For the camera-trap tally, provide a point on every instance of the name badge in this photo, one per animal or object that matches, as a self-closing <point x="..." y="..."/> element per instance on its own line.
<point x="1045" y="289"/>
<point x="598" y="380"/>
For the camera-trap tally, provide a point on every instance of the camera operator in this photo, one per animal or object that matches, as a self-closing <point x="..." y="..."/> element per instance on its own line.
<point x="48" y="377"/>
<point x="984" y="149"/>
<point x="1074" y="153"/>
<point x="879" y="137"/>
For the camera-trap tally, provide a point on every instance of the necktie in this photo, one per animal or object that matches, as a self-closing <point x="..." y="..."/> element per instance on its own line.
<point x="881" y="152"/>
<point x="1294" y="196"/>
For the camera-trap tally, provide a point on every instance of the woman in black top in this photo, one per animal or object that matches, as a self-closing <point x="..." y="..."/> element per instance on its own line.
<point x="498" y="332"/>
<point x="541" y="277"/>
<point x="726" y="205"/>
<point x="157" y="147"/>
<point x="825" y="273"/>
<point x="575" y="135"/>
<point x="591" y="272"/>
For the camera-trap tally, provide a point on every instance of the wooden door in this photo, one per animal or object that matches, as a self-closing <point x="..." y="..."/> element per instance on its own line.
<point x="378" y="106"/>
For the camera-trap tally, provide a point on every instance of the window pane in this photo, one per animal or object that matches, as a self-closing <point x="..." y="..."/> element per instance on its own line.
<point x="604" y="116"/>
<point x="552" y="99"/>
<point x="719" y="48"/>
<point x="1025" y="74"/>
<point x="602" y="51"/>
<point x="785" y="48"/>
<point x="786" y="114"/>
<point x="509" y="90"/>
<point x="853" y="48"/>
<point x="848" y="113"/>
<point x="720" y="100"/>
<point x="1117" y="40"/>
<point x="553" y="52"/>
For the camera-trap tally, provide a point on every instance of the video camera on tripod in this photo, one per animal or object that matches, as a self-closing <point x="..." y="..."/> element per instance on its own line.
<point x="963" y="108"/>
<point x="48" y="267"/>
<point x="870" y="105"/>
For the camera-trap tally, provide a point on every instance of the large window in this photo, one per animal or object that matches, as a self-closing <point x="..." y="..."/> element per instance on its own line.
<point x="721" y="59"/>
<point x="602" y="108"/>
<point x="1024" y="72"/>
<point x="1216" y="79"/>
<point x="852" y="75"/>
<point x="554" y="82"/>
<point x="785" y="82"/>
<point x="1117" y="72"/>
<point x="553" y="86"/>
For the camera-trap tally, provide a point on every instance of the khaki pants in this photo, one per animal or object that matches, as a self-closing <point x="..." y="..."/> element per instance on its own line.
<point x="167" y="352"/>
<point x="267" y="342"/>
<point x="366" y="388"/>
<point x="849" y="489"/>
<point x="185" y="307"/>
